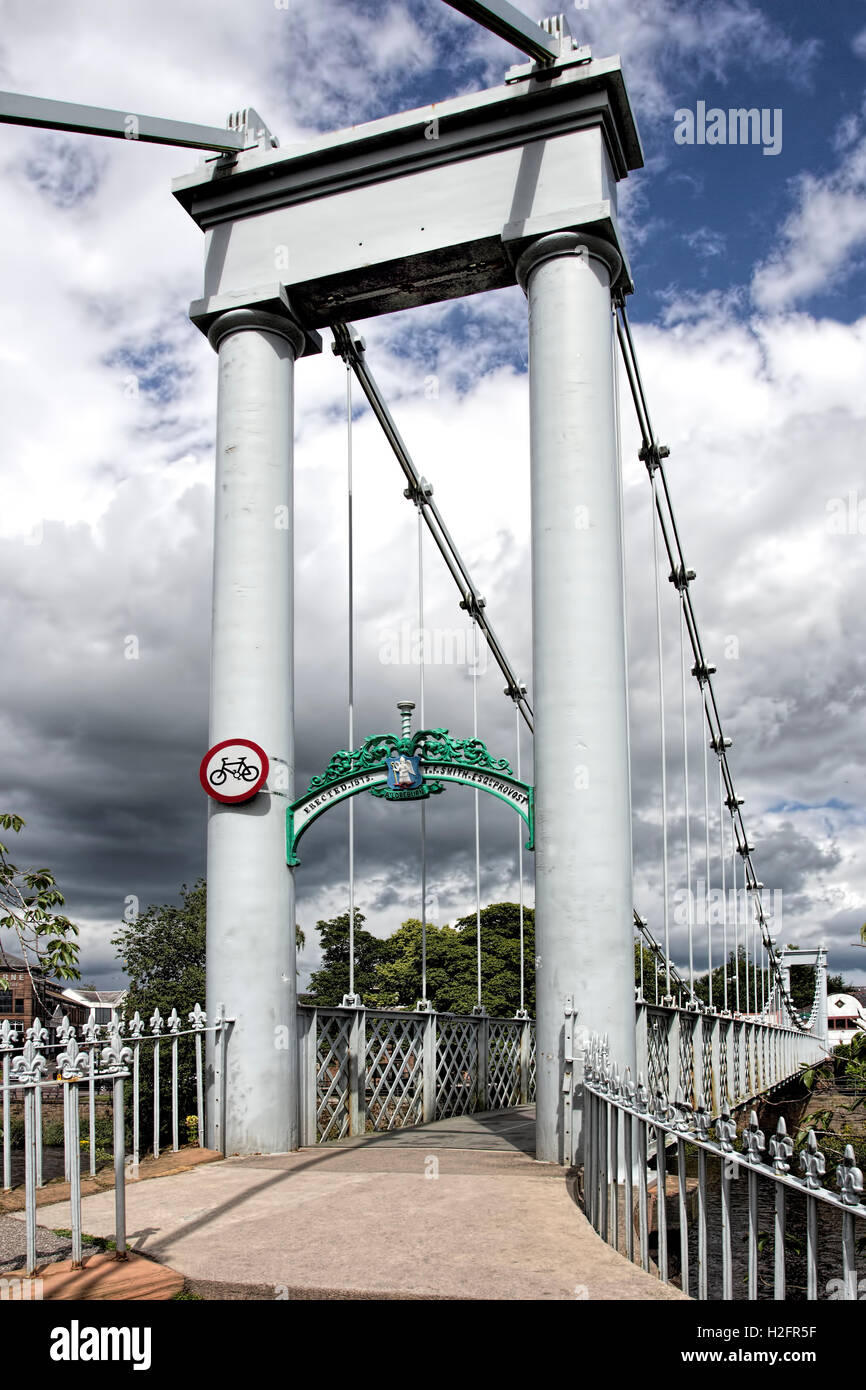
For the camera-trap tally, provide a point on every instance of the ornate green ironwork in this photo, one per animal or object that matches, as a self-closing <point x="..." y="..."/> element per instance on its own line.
<point x="365" y="769"/>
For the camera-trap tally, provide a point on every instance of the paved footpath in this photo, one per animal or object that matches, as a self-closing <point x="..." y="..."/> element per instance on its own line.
<point x="457" y="1210"/>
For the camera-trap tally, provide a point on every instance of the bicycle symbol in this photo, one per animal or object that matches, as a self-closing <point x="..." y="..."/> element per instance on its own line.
<point x="239" y="768"/>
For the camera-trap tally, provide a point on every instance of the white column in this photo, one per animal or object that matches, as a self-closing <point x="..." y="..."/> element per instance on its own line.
<point x="251" y="899"/>
<point x="583" y="864"/>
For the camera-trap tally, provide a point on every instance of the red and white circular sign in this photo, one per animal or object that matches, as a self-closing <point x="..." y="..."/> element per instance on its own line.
<point x="234" y="770"/>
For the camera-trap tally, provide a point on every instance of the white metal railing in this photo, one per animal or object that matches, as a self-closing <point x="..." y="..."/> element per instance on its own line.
<point x="715" y="1058"/>
<point x="630" y="1141"/>
<point x="49" y="1066"/>
<point x="366" y="1070"/>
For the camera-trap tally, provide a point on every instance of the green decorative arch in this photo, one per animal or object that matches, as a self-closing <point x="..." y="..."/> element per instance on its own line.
<point x="440" y="759"/>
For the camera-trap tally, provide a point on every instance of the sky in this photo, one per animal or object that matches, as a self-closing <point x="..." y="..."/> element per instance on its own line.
<point x="749" y="262"/>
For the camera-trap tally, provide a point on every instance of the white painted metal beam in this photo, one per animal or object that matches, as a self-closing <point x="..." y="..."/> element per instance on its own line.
<point x="511" y="24"/>
<point x="17" y="109"/>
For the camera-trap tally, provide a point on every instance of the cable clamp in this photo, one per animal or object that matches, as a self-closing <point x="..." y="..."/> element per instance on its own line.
<point x="652" y="455"/>
<point x="719" y="745"/>
<point x="702" y="672"/>
<point x="347" y="343"/>
<point x="516" y="691"/>
<point x="681" y="578"/>
<point x="473" y="604"/>
<point x="419" y="493"/>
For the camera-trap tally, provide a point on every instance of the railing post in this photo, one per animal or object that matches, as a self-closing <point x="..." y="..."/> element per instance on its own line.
<point x="525" y="1058"/>
<point x="673" y="1032"/>
<point x="642" y="1052"/>
<point x="358" y="1071"/>
<point x="219" y="1090"/>
<point x="308" y="1023"/>
<point x="482" y="1025"/>
<point x="568" y="1084"/>
<point x="7" y="1042"/>
<point x="428" y="1067"/>
<point x="697" y="1060"/>
<point x="713" y="1094"/>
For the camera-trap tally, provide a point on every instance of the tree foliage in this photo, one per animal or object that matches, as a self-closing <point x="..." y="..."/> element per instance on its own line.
<point x="28" y="902"/>
<point x="388" y="969"/>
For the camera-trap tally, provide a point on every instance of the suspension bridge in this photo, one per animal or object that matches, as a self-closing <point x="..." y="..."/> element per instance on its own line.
<point x="516" y="185"/>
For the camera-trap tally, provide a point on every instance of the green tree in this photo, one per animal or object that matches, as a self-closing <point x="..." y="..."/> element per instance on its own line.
<point x="28" y="902"/>
<point x="330" y="982"/>
<point x="399" y="972"/>
<point x="163" y="953"/>
<point x="500" y="963"/>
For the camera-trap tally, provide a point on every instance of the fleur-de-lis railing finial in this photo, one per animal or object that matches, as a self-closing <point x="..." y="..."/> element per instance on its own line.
<point x="781" y="1148"/>
<point x="682" y="1111"/>
<point x="8" y="1035"/>
<point x="628" y="1088"/>
<point x="90" y="1031"/>
<point x="661" y="1106"/>
<point x="702" y="1119"/>
<point x="37" y="1034"/>
<point x="65" y="1032"/>
<point x="156" y="1022"/>
<point x="726" y="1131"/>
<point x="198" y="1018"/>
<point x="30" y="1065"/>
<point x="116" y="1056"/>
<point x="174" y="1021"/>
<point x="753" y="1140"/>
<point x="136" y="1027"/>
<point x="641" y="1099"/>
<point x="812" y="1162"/>
<point x="849" y="1179"/>
<point x="72" y="1061"/>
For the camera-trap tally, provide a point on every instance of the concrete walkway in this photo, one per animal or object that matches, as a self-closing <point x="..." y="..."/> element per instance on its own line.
<point x="455" y="1210"/>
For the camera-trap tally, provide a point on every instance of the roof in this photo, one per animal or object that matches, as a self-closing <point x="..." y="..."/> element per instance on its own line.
<point x="844" y="1005"/>
<point x="108" y="998"/>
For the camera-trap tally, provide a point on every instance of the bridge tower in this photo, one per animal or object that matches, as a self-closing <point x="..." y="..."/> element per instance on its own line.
<point x="517" y="184"/>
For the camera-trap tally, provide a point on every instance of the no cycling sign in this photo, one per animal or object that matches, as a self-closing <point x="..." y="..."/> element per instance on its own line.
<point x="234" y="770"/>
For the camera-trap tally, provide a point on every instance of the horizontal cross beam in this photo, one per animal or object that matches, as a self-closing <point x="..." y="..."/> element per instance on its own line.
<point x="511" y="24"/>
<point x="16" y="109"/>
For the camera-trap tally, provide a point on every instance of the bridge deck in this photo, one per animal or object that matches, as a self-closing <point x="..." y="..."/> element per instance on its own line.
<point x="370" y="1218"/>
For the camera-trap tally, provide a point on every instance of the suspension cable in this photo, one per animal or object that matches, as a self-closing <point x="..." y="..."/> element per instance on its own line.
<point x="659" y="643"/>
<point x="477" y="812"/>
<point x="520" y="864"/>
<point x="350" y="346"/>
<point x="422" y="639"/>
<point x="653" y="454"/>
<point x="689" y="913"/>
<point x="707" y="898"/>
<point x="351" y="529"/>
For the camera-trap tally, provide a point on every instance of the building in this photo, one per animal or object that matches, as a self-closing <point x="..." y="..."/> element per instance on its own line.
<point x="846" y="1017"/>
<point x="29" y="993"/>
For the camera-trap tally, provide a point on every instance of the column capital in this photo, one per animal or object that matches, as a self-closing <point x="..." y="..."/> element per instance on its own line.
<point x="556" y="244"/>
<point x="265" y="308"/>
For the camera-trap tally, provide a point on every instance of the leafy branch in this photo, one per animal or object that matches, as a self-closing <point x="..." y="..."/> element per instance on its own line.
<point x="29" y="899"/>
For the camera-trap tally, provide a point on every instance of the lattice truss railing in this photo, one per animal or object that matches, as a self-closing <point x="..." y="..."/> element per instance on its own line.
<point x="456" y="1067"/>
<point x="503" y="1065"/>
<point x="332" y="1075"/>
<point x="707" y="1060"/>
<point x="394" y="1082"/>
<point x="532" y="1065"/>
<point x="366" y="1070"/>
<point x="657" y="1052"/>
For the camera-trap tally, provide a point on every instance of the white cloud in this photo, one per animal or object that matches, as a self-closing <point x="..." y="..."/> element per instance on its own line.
<point x="825" y="229"/>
